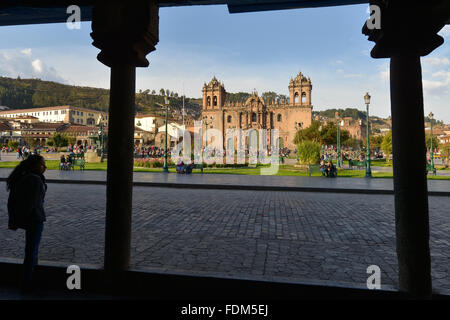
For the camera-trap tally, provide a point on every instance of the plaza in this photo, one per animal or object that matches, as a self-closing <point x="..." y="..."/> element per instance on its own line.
<point x="294" y="236"/>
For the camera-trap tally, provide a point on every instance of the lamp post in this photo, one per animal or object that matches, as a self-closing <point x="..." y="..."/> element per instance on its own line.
<point x="431" y="141"/>
<point x="102" y="144"/>
<point x="368" y="171"/>
<point x="206" y="122"/>
<point x="338" y="145"/>
<point x="166" y="103"/>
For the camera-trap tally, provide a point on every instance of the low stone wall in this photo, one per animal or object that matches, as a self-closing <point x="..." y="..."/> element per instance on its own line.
<point x="89" y="156"/>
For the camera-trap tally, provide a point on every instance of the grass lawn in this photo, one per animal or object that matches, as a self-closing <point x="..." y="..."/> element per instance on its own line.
<point x="284" y="170"/>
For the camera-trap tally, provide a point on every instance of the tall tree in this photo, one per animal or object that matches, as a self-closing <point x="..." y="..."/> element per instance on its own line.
<point x="386" y="145"/>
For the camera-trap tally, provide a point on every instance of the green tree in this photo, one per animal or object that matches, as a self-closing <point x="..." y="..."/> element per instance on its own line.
<point x="386" y="145"/>
<point x="13" y="144"/>
<point x="328" y="134"/>
<point x="312" y="133"/>
<point x="59" y="140"/>
<point x="71" y="140"/>
<point x="308" y="152"/>
<point x="375" y="141"/>
<point x="436" y="143"/>
<point x="445" y="152"/>
<point x="353" y="143"/>
<point x="269" y="96"/>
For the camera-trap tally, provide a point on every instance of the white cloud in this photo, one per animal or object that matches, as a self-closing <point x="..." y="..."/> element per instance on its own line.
<point x="27" y="51"/>
<point x="436" y="62"/>
<point x="23" y="63"/>
<point x="37" y="65"/>
<point x="385" y="74"/>
<point x="445" y="31"/>
<point x="438" y="87"/>
<point x="353" y="75"/>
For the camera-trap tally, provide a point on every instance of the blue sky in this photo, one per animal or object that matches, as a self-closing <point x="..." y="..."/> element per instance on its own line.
<point x="246" y="51"/>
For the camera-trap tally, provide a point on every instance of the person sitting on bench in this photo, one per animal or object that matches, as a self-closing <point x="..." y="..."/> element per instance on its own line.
<point x="68" y="162"/>
<point x="189" y="168"/>
<point x="180" y="167"/>
<point x="323" y="168"/>
<point x="62" y="163"/>
<point x="331" y="170"/>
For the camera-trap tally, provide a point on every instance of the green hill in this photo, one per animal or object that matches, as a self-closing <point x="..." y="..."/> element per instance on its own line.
<point x="35" y="93"/>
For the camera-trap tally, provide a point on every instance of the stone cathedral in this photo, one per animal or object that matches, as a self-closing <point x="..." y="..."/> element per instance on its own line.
<point x="255" y="113"/>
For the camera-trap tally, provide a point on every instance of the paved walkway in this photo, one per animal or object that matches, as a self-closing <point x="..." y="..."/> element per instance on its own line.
<point x="267" y="234"/>
<point x="242" y="181"/>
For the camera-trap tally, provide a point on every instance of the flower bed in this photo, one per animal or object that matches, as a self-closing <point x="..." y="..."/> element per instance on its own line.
<point x="151" y="163"/>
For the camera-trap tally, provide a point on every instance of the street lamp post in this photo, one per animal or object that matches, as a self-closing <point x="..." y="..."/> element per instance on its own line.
<point x="206" y="122"/>
<point x="166" y="103"/>
<point x="102" y="142"/>
<point x="368" y="171"/>
<point x="431" y="141"/>
<point x="338" y="145"/>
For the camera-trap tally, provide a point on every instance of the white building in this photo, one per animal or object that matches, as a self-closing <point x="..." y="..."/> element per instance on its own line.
<point x="66" y="114"/>
<point x="148" y="122"/>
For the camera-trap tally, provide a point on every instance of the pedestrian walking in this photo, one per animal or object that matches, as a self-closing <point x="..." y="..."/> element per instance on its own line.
<point x="27" y="188"/>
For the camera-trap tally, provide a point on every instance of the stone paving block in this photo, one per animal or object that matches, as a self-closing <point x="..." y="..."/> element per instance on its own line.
<point x="300" y="236"/>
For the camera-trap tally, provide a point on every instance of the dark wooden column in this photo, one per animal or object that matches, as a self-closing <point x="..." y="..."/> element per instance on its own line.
<point x="125" y="33"/>
<point x="407" y="33"/>
<point x="410" y="178"/>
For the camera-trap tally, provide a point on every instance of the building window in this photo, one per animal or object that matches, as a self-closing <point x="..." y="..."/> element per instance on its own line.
<point x="56" y="112"/>
<point x="253" y="117"/>
<point x="303" y="97"/>
<point x="81" y="112"/>
<point x="229" y="119"/>
<point x="208" y="101"/>
<point x="279" y="117"/>
<point x="296" y="98"/>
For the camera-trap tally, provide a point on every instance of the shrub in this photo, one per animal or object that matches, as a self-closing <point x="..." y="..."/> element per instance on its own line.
<point x="13" y="144"/>
<point x="308" y="152"/>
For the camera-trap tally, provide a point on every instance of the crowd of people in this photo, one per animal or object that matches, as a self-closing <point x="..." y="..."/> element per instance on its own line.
<point x="150" y="152"/>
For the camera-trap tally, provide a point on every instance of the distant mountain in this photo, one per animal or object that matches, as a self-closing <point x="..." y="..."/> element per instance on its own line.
<point x="35" y="93"/>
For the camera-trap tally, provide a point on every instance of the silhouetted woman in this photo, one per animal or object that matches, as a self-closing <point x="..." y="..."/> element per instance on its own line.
<point x="27" y="187"/>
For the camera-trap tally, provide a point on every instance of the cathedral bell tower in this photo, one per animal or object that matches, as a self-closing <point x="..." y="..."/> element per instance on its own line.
<point x="300" y="90"/>
<point x="213" y="95"/>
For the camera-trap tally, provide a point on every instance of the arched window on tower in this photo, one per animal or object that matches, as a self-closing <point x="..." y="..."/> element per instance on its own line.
<point x="215" y="101"/>
<point x="253" y="117"/>
<point x="279" y="117"/>
<point x="303" y="97"/>
<point x="208" y="101"/>
<point x="229" y="119"/>
<point x="296" y="98"/>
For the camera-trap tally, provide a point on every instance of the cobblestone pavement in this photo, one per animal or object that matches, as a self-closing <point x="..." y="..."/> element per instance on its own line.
<point x="271" y="235"/>
<point x="240" y="180"/>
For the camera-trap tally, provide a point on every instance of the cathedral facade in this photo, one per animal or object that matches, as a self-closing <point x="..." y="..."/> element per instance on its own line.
<point x="287" y="116"/>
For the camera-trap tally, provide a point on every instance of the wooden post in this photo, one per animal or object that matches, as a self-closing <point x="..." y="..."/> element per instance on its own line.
<point x="410" y="181"/>
<point x="125" y="33"/>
